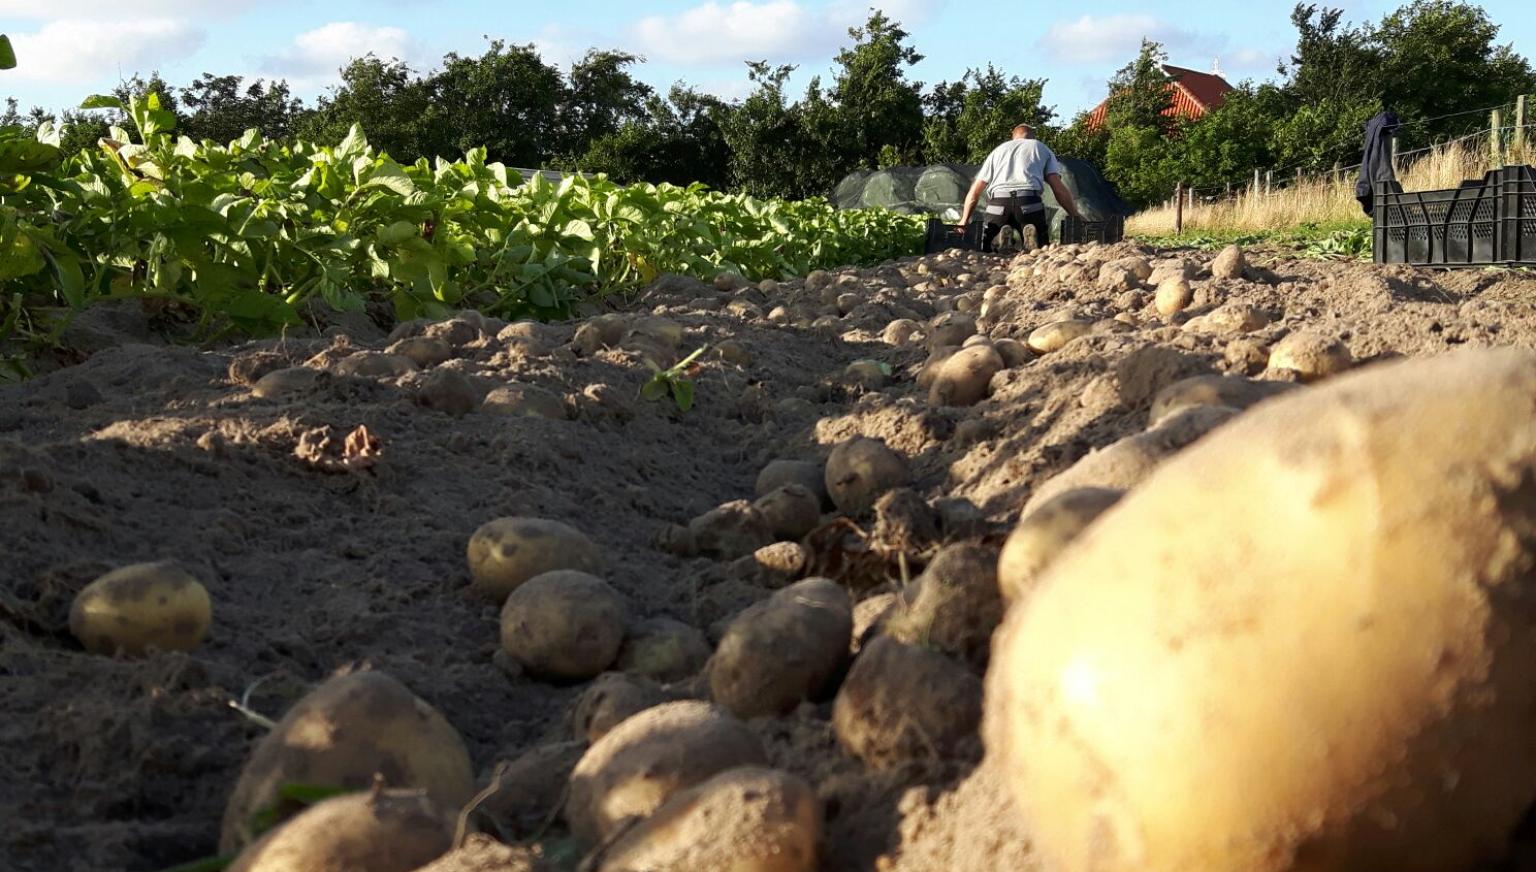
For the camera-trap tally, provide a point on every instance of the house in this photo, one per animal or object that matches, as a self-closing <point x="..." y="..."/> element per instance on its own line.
<point x="1194" y="94"/>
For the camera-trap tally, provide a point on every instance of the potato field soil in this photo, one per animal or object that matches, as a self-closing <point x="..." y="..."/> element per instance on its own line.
<point x="1098" y="558"/>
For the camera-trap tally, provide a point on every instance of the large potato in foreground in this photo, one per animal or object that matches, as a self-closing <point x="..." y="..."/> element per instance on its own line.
<point x="745" y="820"/>
<point x="139" y="607"/>
<point x="1339" y="681"/>
<point x="383" y="831"/>
<point x="783" y="650"/>
<point x="506" y="552"/>
<point x="642" y="762"/>
<point x="339" y="735"/>
<point x="564" y="625"/>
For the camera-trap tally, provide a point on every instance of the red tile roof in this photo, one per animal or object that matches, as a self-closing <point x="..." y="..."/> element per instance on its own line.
<point x="1194" y="94"/>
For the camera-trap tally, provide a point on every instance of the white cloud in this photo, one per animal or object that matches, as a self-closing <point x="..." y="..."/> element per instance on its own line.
<point x="1249" y="60"/>
<point x="75" y="51"/>
<point x="316" y="55"/>
<point x="712" y="33"/>
<point x="97" y="10"/>
<point x="1095" y="39"/>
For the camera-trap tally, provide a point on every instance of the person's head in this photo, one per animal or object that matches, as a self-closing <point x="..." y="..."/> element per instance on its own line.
<point x="1023" y="131"/>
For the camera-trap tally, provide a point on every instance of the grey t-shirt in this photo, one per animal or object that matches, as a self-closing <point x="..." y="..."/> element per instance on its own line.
<point x="1018" y="165"/>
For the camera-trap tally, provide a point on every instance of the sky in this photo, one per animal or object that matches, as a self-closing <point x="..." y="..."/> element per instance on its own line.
<point x="68" y="49"/>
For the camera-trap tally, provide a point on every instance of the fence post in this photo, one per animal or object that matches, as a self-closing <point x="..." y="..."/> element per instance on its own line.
<point x="1495" y="138"/>
<point x="1269" y="182"/>
<point x="1298" y="177"/>
<point x="1338" y="173"/>
<point x="1394" y="154"/>
<point x="1178" y="209"/>
<point x="1519" y="143"/>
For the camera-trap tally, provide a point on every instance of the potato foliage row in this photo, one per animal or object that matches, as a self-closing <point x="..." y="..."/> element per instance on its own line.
<point x="245" y="233"/>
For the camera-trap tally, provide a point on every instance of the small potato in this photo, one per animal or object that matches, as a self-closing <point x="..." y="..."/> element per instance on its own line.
<point x="457" y="332"/>
<point x="1174" y="296"/>
<point x="284" y="383"/>
<point x="783" y="650"/>
<point x="957" y="604"/>
<point x="791" y="511"/>
<point x="663" y="650"/>
<point x="1311" y="356"/>
<point x="950" y="328"/>
<point x="860" y="470"/>
<point x="376" y="364"/>
<point x="604" y="331"/>
<point x="903" y="702"/>
<point x="1124" y="464"/>
<point x="506" y="552"/>
<point x="424" y="351"/>
<point x="563" y="625"/>
<point x="743" y="820"/>
<point x="1044" y="533"/>
<point x="141" y="607"/>
<point x="665" y="331"/>
<point x="1212" y="390"/>
<point x="900" y="331"/>
<point x="524" y="401"/>
<point x="530" y="785"/>
<point x="965" y="378"/>
<point x="808" y="474"/>
<point x="648" y="758"/>
<point x="1013" y="352"/>
<point x="247" y="369"/>
<point x="870" y="617"/>
<point x="611" y="699"/>
<point x="339" y="735"/>
<point x="380" y="831"/>
<point x="772" y="566"/>
<point x="729" y="531"/>
<point x="929" y="373"/>
<point x="733" y="351"/>
<point x="1055" y="335"/>
<point x="867" y="374"/>
<point x="447" y="391"/>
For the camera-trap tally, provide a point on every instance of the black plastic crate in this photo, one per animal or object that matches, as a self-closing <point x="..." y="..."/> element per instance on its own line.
<point x="1517" y="215"/>
<point x="1076" y="230"/>
<point x="1455" y="227"/>
<point x="943" y="236"/>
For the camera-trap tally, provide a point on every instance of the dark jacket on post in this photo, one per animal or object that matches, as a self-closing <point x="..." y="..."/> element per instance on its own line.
<point x="1376" y="165"/>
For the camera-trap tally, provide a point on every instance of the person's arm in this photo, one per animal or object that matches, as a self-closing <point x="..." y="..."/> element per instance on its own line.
<point x="1063" y="196"/>
<point x="970" y="202"/>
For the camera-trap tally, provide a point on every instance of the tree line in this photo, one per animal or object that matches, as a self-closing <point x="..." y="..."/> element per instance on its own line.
<point x="1429" y="61"/>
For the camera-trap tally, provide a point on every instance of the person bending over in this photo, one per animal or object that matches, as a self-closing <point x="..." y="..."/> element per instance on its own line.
<point x="1014" y="175"/>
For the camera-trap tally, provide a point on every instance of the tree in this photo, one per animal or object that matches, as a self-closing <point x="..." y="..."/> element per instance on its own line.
<point x="601" y="97"/>
<point x="1136" y="153"/>
<point x="942" y="142"/>
<point x="760" y="133"/>
<point x="679" y="141"/>
<point x="220" y="109"/>
<point x="507" y="100"/>
<point x="879" y="108"/>
<point x="1332" y="61"/>
<point x="1225" y="145"/>
<point x="994" y="105"/>
<point x="385" y="97"/>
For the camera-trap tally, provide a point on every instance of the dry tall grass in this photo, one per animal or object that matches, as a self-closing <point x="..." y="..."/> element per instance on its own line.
<point x="1325" y="201"/>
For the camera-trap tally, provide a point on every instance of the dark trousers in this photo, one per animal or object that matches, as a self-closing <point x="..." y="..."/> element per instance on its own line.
<point x="1017" y="210"/>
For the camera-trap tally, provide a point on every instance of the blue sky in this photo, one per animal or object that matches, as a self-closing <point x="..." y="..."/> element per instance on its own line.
<point x="70" y="48"/>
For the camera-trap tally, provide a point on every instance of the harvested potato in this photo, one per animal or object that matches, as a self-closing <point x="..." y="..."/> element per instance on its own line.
<point x="1013" y="352"/>
<point x="283" y="383"/>
<point x="610" y="700"/>
<point x="1340" y="681"/>
<point x="1055" y="335"/>
<point x="965" y="377"/>
<point x="867" y="374"/>
<point x="808" y="474"/>
<point x="604" y="331"/>
<point x="956" y="606"/>
<point x="506" y="552"/>
<point x="665" y="331"/>
<point x="1042" y="534"/>
<point x="745" y="820"/>
<point x="1173" y="296"/>
<point x="457" y="332"/>
<point x="1124" y="464"/>
<point x="773" y="566"/>
<point x="900" y="331"/>
<point x="141" y="607"/>
<point x="528" y="786"/>
<point x="524" y="401"/>
<point x="791" y="511"/>
<point x="783" y="650"/>
<point x="424" y="351"/>
<point x="563" y="625"/>
<point x="929" y="372"/>
<point x="339" y="735"/>
<point x="733" y="351"/>
<point x="1311" y="356"/>
<point x="664" y="650"/>
<point x="1230" y="263"/>
<point x="729" y="531"/>
<point x="870" y="617"/>
<point x="247" y="369"/>
<point x="1212" y="390"/>
<point x="1145" y="371"/>
<point x="376" y="364"/>
<point x="648" y="758"/>
<point x="378" y="831"/>
<point x="950" y="328"/>
<point x="903" y="702"/>
<point x="905" y="521"/>
<point x="860" y="470"/>
<point x="448" y="391"/>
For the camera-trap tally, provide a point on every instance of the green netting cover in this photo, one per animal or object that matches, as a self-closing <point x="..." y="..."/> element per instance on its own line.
<point x="850" y="191"/>
<point x="893" y="189"/>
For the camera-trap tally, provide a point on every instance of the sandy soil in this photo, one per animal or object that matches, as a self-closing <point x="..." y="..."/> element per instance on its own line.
<point x="141" y="450"/>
